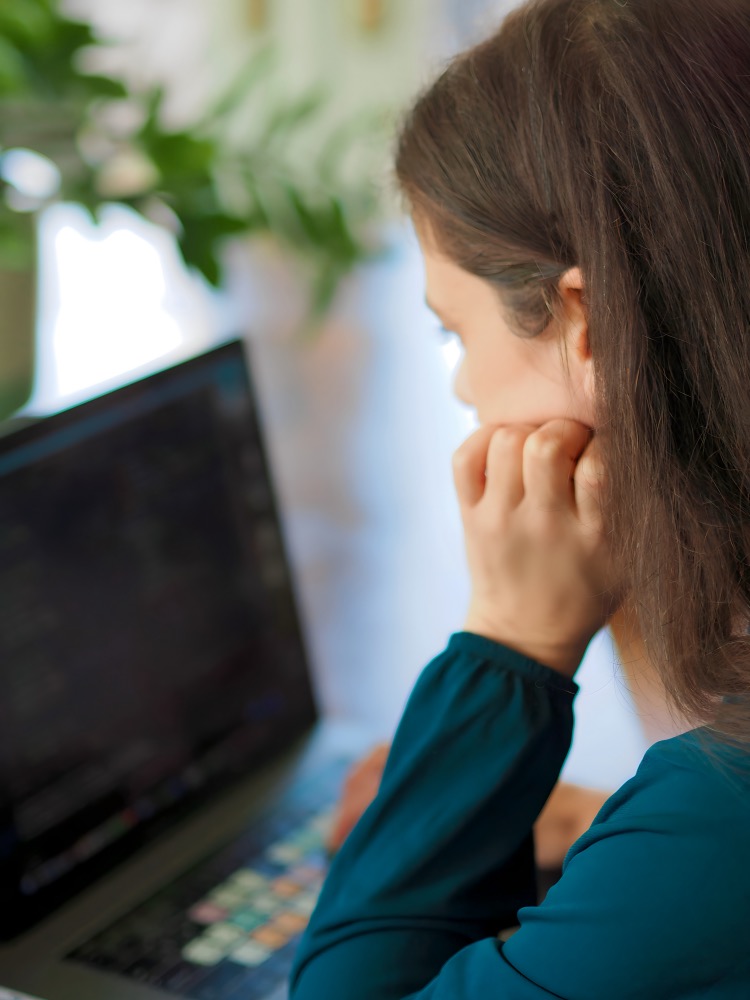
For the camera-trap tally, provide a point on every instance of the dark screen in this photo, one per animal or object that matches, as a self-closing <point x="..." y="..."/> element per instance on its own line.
<point x="149" y="643"/>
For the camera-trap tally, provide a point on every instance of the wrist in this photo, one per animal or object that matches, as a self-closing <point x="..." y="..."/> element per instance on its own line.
<point x="562" y="658"/>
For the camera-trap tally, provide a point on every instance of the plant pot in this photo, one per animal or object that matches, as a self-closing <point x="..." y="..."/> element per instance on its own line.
<point x="18" y="290"/>
<point x="17" y="339"/>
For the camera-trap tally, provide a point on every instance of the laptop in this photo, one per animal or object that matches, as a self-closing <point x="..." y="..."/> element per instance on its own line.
<point x="166" y="781"/>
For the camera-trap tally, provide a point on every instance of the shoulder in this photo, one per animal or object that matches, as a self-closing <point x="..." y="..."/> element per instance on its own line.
<point x="692" y="782"/>
<point x="658" y="889"/>
<point x="687" y="807"/>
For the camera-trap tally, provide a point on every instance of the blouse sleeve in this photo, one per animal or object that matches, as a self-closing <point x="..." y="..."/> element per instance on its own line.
<point x="653" y="901"/>
<point x="443" y="858"/>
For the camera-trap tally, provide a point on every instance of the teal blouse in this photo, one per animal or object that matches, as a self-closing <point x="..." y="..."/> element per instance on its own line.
<point x="654" y="900"/>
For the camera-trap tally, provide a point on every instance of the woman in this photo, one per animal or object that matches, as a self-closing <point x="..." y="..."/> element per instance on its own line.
<point x="580" y="184"/>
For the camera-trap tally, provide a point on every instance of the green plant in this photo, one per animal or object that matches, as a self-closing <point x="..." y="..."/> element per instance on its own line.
<point x="208" y="186"/>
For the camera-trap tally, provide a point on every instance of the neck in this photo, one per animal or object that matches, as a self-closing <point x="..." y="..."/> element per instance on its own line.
<point x="646" y="688"/>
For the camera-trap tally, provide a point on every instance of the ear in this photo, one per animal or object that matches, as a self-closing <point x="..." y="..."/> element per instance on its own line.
<point x="572" y="294"/>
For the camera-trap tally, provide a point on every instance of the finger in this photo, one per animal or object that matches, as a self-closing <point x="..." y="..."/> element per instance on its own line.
<point x="360" y="787"/>
<point x="349" y="814"/>
<point x="549" y="461"/>
<point x="588" y="484"/>
<point x="369" y="768"/>
<point x="346" y="819"/>
<point x="376" y="759"/>
<point x="336" y="834"/>
<point x="469" y="465"/>
<point x="505" y="486"/>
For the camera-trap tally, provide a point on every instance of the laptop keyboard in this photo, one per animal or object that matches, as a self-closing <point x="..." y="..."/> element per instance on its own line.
<point x="228" y="929"/>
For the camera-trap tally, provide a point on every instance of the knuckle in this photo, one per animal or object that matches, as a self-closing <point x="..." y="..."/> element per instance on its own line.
<point x="543" y="446"/>
<point x="507" y="440"/>
<point x="590" y="474"/>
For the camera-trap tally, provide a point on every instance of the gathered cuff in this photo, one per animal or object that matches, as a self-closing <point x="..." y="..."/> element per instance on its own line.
<point x="487" y="649"/>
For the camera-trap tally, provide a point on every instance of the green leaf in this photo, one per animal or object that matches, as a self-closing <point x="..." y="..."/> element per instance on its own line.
<point x="12" y="69"/>
<point x="258" y="213"/>
<point x="179" y="154"/>
<point x="48" y="42"/>
<point x="291" y="116"/>
<point x="200" y="240"/>
<point x="341" y="235"/>
<point x="17" y="246"/>
<point x="95" y="86"/>
<point x="70" y="37"/>
<point x="258" y="67"/>
<point x="49" y="100"/>
<point x="24" y="22"/>
<point x="153" y="102"/>
<point x="309" y="220"/>
<point x="348" y="136"/>
<point x="325" y="284"/>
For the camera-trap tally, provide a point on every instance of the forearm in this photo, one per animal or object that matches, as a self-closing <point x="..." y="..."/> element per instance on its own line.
<point x="444" y="855"/>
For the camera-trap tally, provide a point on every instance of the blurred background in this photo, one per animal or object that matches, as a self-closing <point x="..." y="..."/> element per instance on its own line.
<point x="175" y="173"/>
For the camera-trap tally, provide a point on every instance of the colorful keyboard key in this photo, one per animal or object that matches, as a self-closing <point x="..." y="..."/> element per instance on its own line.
<point x="290" y="923"/>
<point x="202" y="952"/>
<point x="270" y="937"/>
<point x="248" y="919"/>
<point x="285" y="888"/>
<point x="207" y="913"/>
<point x="251" y="953"/>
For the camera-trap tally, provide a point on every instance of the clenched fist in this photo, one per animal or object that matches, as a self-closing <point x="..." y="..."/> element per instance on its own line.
<point x="543" y="580"/>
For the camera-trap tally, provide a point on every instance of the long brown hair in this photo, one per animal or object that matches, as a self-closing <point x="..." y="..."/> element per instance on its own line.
<point x="614" y="135"/>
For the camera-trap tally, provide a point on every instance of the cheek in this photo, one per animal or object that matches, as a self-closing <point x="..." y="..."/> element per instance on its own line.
<point x="511" y="390"/>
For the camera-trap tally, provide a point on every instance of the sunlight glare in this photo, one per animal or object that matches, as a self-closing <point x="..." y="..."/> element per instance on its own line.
<point x="111" y="317"/>
<point x="451" y="353"/>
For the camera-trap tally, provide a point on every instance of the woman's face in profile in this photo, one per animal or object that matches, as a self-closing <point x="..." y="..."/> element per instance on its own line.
<point x="505" y="378"/>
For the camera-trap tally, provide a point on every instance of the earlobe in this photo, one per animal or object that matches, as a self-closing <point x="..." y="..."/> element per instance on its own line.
<point x="581" y="341"/>
<point x="579" y="350"/>
<point x="587" y="374"/>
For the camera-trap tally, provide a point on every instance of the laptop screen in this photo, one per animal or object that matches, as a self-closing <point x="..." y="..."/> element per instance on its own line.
<point x="149" y="644"/>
